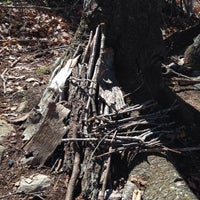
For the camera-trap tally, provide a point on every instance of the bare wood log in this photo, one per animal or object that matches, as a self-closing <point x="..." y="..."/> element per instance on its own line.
<point x="73" y="179"/>
<point x="109" y="89"/>
<point x="58" y="82"/>
<point x="182" y="39"/>
<point x="57" y="67"/>
<point x="48" y="137"/>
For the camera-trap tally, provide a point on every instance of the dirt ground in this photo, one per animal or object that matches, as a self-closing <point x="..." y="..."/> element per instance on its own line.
<point x="31" y="40"/>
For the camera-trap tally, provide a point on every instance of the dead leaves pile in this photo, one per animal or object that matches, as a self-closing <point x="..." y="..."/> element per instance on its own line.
<point x="26" y="29"/>
<point x="31" y="39"/>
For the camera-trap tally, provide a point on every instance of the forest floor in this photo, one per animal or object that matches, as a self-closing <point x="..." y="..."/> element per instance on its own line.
<point x="31" y="39"/>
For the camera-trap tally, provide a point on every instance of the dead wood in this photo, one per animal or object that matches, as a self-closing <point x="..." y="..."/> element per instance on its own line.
<point x="48" y="137"/>
<point x="3" y="80"/>
<point x="94" y="122"/>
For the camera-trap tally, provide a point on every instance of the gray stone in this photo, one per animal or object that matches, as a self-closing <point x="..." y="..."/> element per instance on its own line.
<point x="22" y="106"/>
<point x="2" y="149"/>
<point x="34" y="183"/>
<point x="197" y="85"/>
<point x="163" y="180"/>
<point x="192" y="54"/>
<point x="5" y="129"/>
<point x="29" y="132"/>
<point x="25" y="160"/>
<point x="128" y="190"/>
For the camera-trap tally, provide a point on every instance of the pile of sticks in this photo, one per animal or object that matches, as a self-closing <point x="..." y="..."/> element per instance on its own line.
<point x="99" y="122"/>
<point x="105" y="123"/>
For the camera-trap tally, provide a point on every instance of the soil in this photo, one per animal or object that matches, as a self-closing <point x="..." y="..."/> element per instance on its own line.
<point x="32" y="39"/>
<point x="26" y="59"/>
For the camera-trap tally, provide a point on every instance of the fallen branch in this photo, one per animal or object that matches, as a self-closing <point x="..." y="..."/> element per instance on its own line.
<point x="187" y="78"/>
<point x="4" y="80"/>
<point x="30" y="7"/>
<point x="185" y="82"/>
<point x="21" y="193"/>
<point x="107" y="170"/>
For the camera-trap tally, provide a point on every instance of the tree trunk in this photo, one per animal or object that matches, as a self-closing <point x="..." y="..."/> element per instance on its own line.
<point x="133" y="31"/>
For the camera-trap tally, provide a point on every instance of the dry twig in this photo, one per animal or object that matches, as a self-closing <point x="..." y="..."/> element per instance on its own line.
<point x="4" y="80"/>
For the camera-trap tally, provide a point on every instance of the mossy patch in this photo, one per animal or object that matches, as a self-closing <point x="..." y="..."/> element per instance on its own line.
<point x="45" y="71"/>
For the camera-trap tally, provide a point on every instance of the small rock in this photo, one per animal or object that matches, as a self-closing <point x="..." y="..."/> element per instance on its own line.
<point x="5" y="129"/>
<point x="128" y="190"/>
<point x="35" y="84"/>
<point x="22" y="106"/>
<point x="13" y="108"/>
<point x="34" y="183"/>
<point x="10" y="163"/>
<point x="111" y="195"/>
<point x="2" y="149"/>
<point x="28" y="132"/>
<point x="181" y="61"/>
<point x="29" y="80"/>
<point x="17" y="184"/>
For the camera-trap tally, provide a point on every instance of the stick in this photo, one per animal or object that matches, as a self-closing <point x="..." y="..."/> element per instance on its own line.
<point x="107" y="170"/>
<point x="75" y="173"/>
<point x="76" y="169"/>
<point x="15" y="62"/>
<point x="88" y="140"/>
<point x="178" y="74"/>
<point x="99" y="144"/>
<point x="187" y="81"/>
<point x="4" y="80"/>
<point x="93" y="84"/>
<point x="87" y="50"/>
<point x="31" y="7"/>
<point x="136" y="107"/>
<point x="186" y="149"/>
<point x="93" y="57"/>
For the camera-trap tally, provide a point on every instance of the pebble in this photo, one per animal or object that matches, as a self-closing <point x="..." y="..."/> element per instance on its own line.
<point x="2" y="149"/>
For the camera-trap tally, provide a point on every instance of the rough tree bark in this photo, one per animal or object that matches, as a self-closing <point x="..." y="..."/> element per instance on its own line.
<point x="132" y="30"/>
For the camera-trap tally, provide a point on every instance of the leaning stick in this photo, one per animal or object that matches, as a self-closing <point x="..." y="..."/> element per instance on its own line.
<point x="4" y="80"/>
<point x="93" y="57"/>
<point x="107" y="170"/>
<point x="87" y="50"/>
